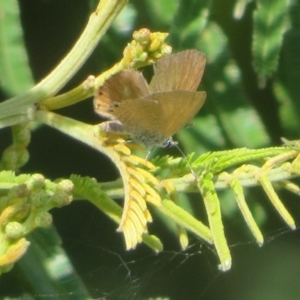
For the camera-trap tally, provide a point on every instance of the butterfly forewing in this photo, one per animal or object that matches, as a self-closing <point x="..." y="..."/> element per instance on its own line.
<point x="181" y="71"/>
<point x="127" y="84"/>
<point x="177" y="109"/>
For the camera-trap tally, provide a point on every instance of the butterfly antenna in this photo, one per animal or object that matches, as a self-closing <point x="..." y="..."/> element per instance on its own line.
<point x="148" y="154"/>
<point x="174" y="143"/>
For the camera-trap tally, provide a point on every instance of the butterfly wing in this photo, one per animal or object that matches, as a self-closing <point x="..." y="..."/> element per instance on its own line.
<point x="180" y="71"/>
<point x="177" y="109"/>
<point x="127" y="84"/>
<point x="155" y="118"/>
<point x="152" y="114"/>
<point x="141" y="119"/>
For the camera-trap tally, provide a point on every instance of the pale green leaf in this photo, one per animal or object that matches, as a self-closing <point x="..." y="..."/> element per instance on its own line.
<point x="227" y="100"/>
<point x="15" y="74"/>
<point x="270" y="23"/>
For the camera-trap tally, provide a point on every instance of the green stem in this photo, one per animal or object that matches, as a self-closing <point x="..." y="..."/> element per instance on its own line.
<point x="76" y="129"/>
<point x="98" y="23"/>
<point x="81" y="92"/>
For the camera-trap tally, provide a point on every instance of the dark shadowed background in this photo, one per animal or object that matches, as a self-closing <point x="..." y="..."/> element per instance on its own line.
<point x="51" y="27"/>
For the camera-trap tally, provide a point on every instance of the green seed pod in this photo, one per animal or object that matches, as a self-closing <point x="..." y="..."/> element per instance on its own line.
<point x="39" y="199"/>
<point x="36" y="182"/>
<point x="14" y="230"/>
<point x="65" y="186"/>
<point x="60" y="199"/>
<point x="22" y="134"/>
<point x="44" y="219"/>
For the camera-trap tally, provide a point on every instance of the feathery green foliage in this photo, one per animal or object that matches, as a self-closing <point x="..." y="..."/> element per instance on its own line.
<point x="251" y="80"/>
<point x="270" y="24"/>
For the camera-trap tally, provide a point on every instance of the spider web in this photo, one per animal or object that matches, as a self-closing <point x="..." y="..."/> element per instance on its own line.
<point x="109" y="272"/>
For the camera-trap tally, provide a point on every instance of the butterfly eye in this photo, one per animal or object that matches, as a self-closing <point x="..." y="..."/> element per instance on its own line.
<point x="116" y="105"/>
<point x="169" y="143"/>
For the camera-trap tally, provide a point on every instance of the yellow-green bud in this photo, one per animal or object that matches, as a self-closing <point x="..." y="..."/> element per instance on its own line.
<point x="14" y="230"/>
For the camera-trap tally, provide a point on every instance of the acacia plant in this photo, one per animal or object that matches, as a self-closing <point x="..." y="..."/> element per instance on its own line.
<point x="228" y="147"/>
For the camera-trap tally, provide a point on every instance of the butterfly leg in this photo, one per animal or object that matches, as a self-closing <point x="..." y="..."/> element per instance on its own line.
<point x="112" y="126"/>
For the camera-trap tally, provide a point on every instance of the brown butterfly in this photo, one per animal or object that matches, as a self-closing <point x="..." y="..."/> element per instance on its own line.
<point x="152" y="113"/>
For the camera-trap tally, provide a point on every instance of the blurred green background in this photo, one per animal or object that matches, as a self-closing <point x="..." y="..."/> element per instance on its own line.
<point x="252" y="82"/>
